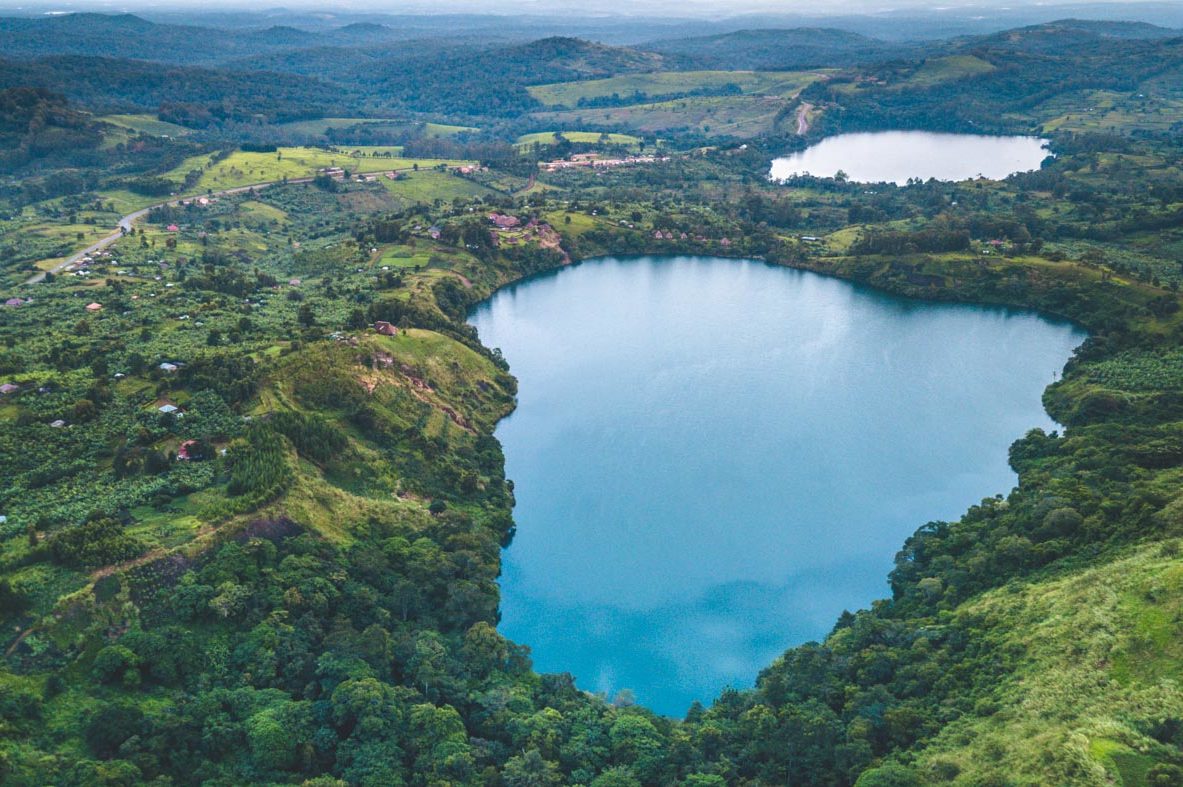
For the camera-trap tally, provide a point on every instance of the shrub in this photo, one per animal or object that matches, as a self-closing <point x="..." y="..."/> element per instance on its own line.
<point x="111" y="662"/>
<point x="110" y="726"/>
<point x="99" y="542"/>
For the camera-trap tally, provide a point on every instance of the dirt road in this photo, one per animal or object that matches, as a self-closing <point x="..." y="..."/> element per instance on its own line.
<point x="803" y="118"/>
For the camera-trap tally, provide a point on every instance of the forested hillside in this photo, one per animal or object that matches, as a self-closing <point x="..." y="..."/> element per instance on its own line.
<point x="194" y="96"/>
<point x="783" y="49"/>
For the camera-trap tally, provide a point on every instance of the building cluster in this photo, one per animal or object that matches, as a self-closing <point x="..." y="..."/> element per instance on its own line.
<point x="596" y="161"/>
<point x="671" y="235"/>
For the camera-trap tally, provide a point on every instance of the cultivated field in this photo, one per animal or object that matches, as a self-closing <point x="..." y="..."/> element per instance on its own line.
<point x="589" y="137"/>
<point x="427" y="186"/>
<point x="319" y="126"/>
<point x="242" y="168"/>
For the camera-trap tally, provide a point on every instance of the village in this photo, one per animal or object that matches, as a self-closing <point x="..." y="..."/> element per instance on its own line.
<point x="599" y="161"/>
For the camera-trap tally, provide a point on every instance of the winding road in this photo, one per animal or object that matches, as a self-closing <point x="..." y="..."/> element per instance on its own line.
<point x="127" y="223"/>
<point x="803" y="118"/>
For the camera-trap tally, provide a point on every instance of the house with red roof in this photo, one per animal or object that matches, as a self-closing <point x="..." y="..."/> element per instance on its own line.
<point x="503" y="221"/>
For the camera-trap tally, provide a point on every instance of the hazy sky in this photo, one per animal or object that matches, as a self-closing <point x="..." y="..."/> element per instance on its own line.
<point x="665" y="8"/>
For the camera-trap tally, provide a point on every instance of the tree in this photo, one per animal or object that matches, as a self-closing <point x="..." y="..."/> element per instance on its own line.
<point x="1165" y="775"/>
<point x="110" y="726"/>
<point x="12" y="602"/>
<point x="531" y="770"/>
<point x="111" y="662"/>
<point x="632" y="737"/>
<point x="277" y="734"/>
<point x="305" y="316"/>
<point x="618" y="777"/>
<point x="427" y="663"/>
<point x="442" y="742"/>
<point x="367" y="706"/>
<point x="84" y="410"/>
<point x="484" y="650"/>
<point x="888" y="775"/>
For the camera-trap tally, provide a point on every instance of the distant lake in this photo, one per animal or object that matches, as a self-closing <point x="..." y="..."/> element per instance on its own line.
<point x="713" y="458"/>
<point x="895" y="156"/>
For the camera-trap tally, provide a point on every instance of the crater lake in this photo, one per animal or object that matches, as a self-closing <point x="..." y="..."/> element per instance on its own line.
<point x="713" y="458"/>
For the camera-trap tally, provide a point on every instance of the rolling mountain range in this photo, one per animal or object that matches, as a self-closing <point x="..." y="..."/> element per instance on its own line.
<point x="279" y="73"/>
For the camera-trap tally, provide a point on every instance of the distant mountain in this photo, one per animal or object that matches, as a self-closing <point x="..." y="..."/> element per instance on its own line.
<point x="803" y="47"/>
<point x="343" y="61"/>
<point x="577" y="59"/>
<point x="1111" y="29"/>
<point x="129" y="36"/>
<point x="364" y="31"/>
<point x="191" y="95"/>
<point x="452" y="78"/>
<point x="1068" y="36"/>
<point x="493" y="81"/>
<point x="277" y="36"/>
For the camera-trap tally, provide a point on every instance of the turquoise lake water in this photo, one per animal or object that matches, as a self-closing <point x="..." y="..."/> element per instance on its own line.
<point x="714" y="458"/>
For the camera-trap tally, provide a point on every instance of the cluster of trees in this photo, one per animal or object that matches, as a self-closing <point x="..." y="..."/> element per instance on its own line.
<point x="258" y="467"/>
<point x="284" y="658"/>
<point x="100" y="541"/>
<point x="38" y="124"/>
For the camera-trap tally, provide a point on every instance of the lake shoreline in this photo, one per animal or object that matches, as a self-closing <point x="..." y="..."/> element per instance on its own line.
<point x="664" y="256"/>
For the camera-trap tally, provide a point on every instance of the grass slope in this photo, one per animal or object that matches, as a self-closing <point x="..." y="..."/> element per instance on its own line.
<point x="1102" y="654"/>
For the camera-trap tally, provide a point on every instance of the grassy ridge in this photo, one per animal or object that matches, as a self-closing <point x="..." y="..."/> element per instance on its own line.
<point x="1101" y="664"/>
